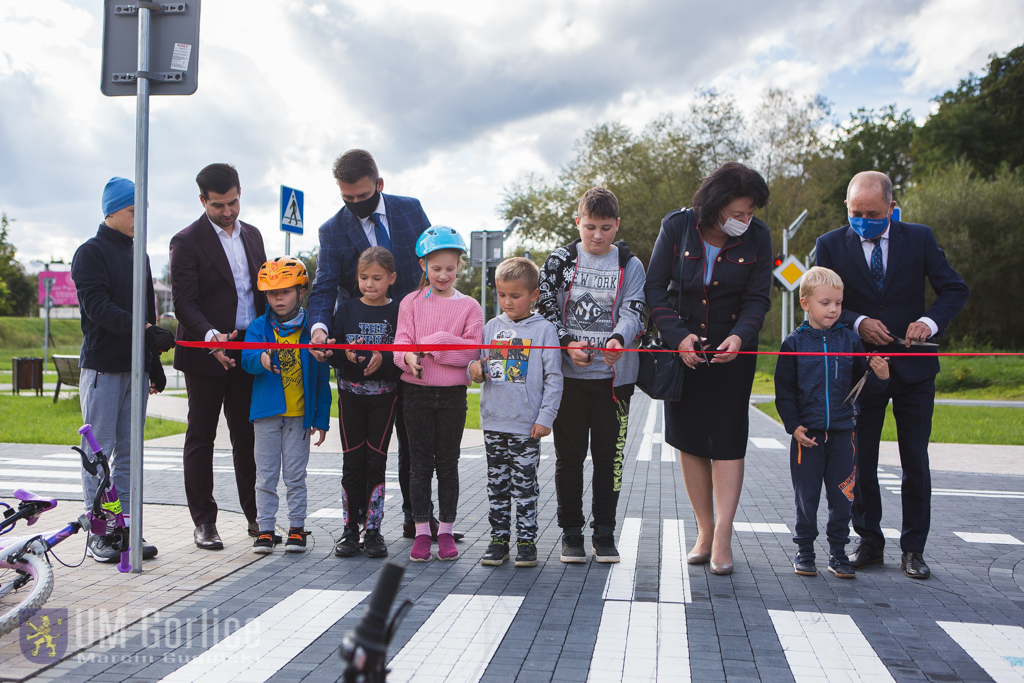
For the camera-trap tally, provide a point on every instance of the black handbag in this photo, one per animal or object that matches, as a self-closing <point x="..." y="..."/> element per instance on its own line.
<point x="661" y="370"/>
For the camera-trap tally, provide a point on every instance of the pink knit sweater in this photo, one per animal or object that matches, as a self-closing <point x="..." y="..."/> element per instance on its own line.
<point x="436" y="320"/>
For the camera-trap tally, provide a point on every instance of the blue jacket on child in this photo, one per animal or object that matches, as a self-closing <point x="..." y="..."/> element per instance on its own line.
<point x="810" y="390"/>
<point x="267" y="388"/>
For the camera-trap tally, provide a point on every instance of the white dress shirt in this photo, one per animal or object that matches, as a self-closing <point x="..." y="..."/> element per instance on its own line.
<point x="869" y="246"/>
<point x="369" y="227"/>
<point x="245" y="312"/>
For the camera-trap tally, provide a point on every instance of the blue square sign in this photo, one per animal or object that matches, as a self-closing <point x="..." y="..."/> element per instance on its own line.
<point x="291" y="210"/>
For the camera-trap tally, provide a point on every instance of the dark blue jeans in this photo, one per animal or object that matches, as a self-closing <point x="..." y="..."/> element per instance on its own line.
<point x="834" y="462"/>
<point x="435" y="418"/>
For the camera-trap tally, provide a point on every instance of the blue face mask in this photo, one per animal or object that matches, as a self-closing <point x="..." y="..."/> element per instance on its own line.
<point x="869" y="228"/>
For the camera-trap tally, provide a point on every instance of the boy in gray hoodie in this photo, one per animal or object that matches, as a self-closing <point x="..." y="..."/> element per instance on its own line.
<point x="519" y="399"/>
<point x="592" y="289"/>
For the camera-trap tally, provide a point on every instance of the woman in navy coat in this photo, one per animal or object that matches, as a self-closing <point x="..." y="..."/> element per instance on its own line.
<point x="709" y="287"/>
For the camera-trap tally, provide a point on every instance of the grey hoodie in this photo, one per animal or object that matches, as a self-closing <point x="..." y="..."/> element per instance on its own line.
<point x="523" y="386"/>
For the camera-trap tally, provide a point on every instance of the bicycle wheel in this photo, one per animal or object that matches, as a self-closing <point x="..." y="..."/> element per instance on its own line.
<point x="28" y="598"/>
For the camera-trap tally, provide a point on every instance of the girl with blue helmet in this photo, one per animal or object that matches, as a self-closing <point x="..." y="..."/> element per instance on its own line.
<point x="434" y="395"/>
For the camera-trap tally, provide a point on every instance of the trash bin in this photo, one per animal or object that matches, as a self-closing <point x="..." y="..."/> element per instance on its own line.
<point x="27" y="373"/>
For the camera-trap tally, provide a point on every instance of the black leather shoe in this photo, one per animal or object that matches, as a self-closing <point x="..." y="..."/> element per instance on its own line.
<point x="913" y="566"/>
<point x="866" y="554"/>
<point x="409" y="530"/>
<point x="435" y="525"/>
<point x="207" y="538"/>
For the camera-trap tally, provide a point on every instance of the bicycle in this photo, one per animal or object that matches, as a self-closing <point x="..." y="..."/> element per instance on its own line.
<point x="26" y="577"/>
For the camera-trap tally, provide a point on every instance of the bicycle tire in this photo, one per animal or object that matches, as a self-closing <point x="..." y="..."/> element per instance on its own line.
<point x="33" y="596"/>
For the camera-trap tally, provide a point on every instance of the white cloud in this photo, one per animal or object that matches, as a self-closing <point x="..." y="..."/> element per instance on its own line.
<point x="457" y="100"/>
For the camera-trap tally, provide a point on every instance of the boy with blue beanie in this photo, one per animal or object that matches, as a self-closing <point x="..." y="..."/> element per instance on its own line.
<point x="102" y="272"/>
<point x="814" y="399"/>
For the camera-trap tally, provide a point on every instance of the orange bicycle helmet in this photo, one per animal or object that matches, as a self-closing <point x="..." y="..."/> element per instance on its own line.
<point x="281" y="273"/>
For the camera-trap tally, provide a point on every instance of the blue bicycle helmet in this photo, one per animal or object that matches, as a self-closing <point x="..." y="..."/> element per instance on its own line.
<point x="438" y="237"/>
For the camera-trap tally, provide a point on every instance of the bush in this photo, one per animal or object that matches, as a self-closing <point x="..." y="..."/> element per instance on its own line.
<point x="978" y="223"/>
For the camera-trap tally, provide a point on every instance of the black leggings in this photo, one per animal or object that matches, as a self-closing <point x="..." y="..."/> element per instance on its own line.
<point x="366" y="424"/>
<point x="435" y="418"/>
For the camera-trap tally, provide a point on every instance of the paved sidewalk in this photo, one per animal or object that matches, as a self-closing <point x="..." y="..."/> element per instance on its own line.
<point x="652" y="617"/>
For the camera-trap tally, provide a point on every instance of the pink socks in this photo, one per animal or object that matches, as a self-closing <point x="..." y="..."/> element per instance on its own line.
<point x="444" y="528"/>
<point x="423" y="528"/>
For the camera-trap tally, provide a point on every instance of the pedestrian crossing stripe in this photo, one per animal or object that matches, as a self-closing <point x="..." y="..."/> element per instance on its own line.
<point x="285" y="630"/>
<point x="996" y="539"/>
<point x="456" y="643"/>
<point x="821" y="647"/>
<point x="999" y="650"/>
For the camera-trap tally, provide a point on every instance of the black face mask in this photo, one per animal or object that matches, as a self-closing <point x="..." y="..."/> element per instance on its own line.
<point x="364" y="208"/>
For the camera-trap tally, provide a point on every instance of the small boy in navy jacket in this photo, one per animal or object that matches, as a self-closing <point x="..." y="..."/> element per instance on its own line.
<point x="291" y="399"/>
<point x="811" y="397"/>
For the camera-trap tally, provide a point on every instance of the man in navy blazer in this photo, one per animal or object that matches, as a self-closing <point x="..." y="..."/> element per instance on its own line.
<point x="368" y="219"/>
<point x="884" y="264"/>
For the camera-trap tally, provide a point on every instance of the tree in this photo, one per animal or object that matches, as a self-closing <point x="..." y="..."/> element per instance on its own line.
<point x="651" y="173"/>
<point x="980" y="122"/>
<point x="785" y="133"/>
<point x="878" y="141"/>
<point x="977" y="221"/>
<point x="716" y="128"/>
<point x="17" y="290"/>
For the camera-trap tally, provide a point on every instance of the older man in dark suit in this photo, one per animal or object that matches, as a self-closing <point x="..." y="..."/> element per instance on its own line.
<point x="368" y="219"/>
<point x="884" y="265"/>
<point x="214" y="266"/>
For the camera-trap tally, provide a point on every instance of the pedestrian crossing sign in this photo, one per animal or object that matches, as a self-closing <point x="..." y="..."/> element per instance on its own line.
<point x="291" y="210"/>
<point x="789" y="272"/>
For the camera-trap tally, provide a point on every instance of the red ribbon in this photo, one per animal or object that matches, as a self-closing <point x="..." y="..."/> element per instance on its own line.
<point x="427" y="348"/>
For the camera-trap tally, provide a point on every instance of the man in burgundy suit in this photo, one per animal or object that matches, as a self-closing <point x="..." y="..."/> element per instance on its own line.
<point x="214" y="264"/>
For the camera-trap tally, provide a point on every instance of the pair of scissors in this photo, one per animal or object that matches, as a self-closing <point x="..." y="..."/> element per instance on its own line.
<point x="857" y="388"/>
<point x="903" y="342"/>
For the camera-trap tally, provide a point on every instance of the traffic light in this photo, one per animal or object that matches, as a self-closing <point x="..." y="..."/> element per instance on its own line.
<point x="775" y="264"/>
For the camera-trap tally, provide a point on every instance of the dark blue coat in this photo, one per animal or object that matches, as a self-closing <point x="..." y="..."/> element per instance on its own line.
<point x="914" y="256"/>
<point x="342" y="240"/>
<point x="102" y="272"/>
<point x="810" y="390"/>
<point x="735" y="302"/>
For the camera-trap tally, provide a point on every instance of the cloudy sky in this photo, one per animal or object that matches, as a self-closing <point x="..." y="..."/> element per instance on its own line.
<point x="456" y="100"/>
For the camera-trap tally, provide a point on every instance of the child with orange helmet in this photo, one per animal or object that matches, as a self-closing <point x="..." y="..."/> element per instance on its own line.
<point x="291" y="399"/>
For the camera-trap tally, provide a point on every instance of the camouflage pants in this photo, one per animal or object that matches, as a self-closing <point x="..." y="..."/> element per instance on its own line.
<point x="512" y="461"/>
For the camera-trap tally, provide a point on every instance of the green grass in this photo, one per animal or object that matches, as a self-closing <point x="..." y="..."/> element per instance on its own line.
<point x="37" y="419"/>
<point x="958" y="424"/>
<point x="999" y="378"/>
<point x="472" y="413"/>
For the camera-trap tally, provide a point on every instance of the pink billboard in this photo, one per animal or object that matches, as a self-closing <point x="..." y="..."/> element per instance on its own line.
<point x="63" y="291"/>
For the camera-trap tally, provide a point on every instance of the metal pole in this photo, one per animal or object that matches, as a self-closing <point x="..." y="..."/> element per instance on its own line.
<point x="785" y="294"/>
<point x="140" y="385"/>
<point x="287" y="244"/>
<point x="483" y="272"/>
<point x="47" y="304"/>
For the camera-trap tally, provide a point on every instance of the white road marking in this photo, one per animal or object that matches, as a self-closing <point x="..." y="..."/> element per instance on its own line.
<point x="761" y="527"/>
<point x="889" y="532"/>
<point x="966" y="493"/>
<point x="999" y="650"/>
<point x="622" y="577"/>
<point x="281" y="633"/>
<point x="641" y="641"/>
<point x="830" y="647"/>
<point x="647" y="442"/>
<point x="767" y="443"/>
<point x="456" y="643"/>
<point x="40" y="486"/>
<point x="1000" y="539"/>
<point x="674" y="585"/>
